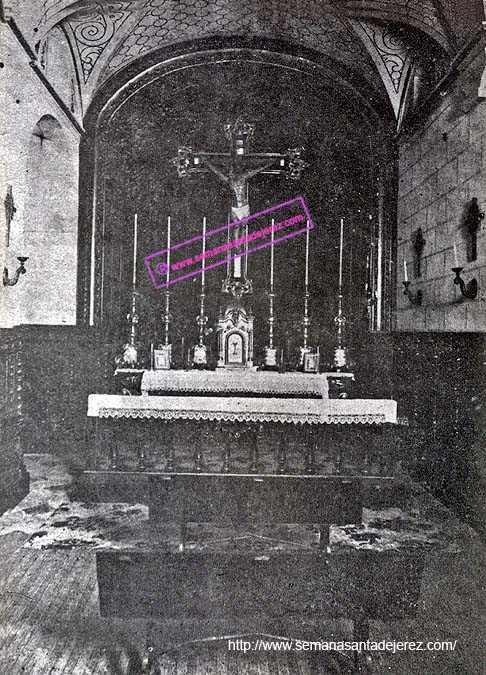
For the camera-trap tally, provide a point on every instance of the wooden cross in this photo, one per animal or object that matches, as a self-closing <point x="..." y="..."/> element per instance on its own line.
<point x="236" y="167"/>
<point x="10" y="211"/>
<point x="418" y="245"/>
<point x="473" y="224"/>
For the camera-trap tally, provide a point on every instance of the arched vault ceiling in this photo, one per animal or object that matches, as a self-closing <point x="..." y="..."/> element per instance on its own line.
<point x="105" y="36"/>
<point x="439" y="18"/>
<point x="313" y="24"/>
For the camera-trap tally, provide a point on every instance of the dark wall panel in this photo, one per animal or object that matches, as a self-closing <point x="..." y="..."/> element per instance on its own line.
<point x="14" y="479"/>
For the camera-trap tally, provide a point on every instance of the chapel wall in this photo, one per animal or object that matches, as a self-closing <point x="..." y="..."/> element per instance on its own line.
<point x="442" y="166"/>
<point x="43" y="174"/>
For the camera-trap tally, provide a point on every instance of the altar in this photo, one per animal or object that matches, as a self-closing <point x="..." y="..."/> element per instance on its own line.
<point x="257" y="397"/>
<point x="237" y="435"/>
<point x="245" y="423"/>
<point x="242" y="453"/>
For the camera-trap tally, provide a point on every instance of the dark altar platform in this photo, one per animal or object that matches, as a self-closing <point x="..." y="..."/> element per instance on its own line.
<point x="248" y="450"/>
<point x="252" y="587"/>
<point x="201" y="582"/>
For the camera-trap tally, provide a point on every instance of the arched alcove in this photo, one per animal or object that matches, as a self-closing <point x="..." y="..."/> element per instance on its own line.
<point x="133" y="132"/>
<point x="56" y="59"/>
<point x="50" y="225"/>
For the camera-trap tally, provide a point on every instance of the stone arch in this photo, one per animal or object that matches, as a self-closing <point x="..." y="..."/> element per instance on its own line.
<point x="374" y="110"/>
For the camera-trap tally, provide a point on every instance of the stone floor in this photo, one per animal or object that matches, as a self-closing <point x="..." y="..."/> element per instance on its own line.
<point x="49" y="617"/>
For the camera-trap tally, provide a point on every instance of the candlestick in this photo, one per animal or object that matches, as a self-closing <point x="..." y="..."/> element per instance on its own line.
<point x="228" y="264"/>
<point x="272" y="238"/>
<point x="135" y="233"/>
<point x="199" y="350"/>
<point x="405" y="271"/>
<point x="203" y="252"/>
<point x="167" y="278"/>
<point x="151" y="356"/>
<point x="306" y="320"/>
<point x="270" y="351"/>
<point x="307" y="254"/>
<point x="339" y="359"/>
<point x="341" y="243"/>
<point x="456" y="264"/>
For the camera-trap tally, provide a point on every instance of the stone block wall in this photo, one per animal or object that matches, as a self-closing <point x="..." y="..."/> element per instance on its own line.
<point x="442" y="166"/>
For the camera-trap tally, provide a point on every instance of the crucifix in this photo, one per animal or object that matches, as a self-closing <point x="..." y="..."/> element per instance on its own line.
<point x="235" y="168"/>
<point x="473" y="224"/>
<point x="10" y="211"/>
<point x="418" y="246"/>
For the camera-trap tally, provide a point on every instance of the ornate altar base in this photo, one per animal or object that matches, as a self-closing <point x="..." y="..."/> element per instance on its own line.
<point x="227" y="423"/>
<point x="244" y="409"/>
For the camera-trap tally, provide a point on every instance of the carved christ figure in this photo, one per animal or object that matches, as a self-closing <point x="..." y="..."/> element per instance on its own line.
<point x="237" y="180"/>
<point x="237" y="167"/>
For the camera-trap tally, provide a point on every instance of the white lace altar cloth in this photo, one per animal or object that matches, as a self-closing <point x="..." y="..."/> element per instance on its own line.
<point x="264" y="383"/>
<point x="244" y="409"/>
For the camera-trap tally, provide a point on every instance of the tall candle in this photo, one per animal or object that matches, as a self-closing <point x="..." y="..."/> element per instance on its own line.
<point x="135" y="233"/>
<point x="456" y="264"/>
<point x="272" y="237"/>
<point x="405" y="270"/>
<point x="307" y="255"/>
<point x="203" y="251"/>
<point x="228" y="264"/>
<point x="341" y="242"/>
<point x="168" y="250"/>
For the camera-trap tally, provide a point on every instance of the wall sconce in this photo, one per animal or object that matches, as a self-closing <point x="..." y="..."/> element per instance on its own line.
<point x="20" y="270"/>
<point x="469" y="290"/>
<point x="414" y="299"/>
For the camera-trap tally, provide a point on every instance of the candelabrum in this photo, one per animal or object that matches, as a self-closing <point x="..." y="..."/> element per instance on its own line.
<point x="305" y="349"/>
<point x="20" y="270"/>
<point x="271" y="351"/>
<point x="340" y="362"/>
<point x="163" y="354"/>
<point x="199" y="359"/>
<point x="129" y="357"/>
<point x="414" y="299"/>
<point x="469" y="290"/>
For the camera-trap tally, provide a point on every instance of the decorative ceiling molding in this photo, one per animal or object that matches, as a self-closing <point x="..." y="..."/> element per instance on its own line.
<point x="315" y="25"/>
<point x="392" y="57"/>
<point x="95" y="31"/>
<point x="425" y="15"/>
<point x="92" y="28"/>
<point x="56" y="11"/>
